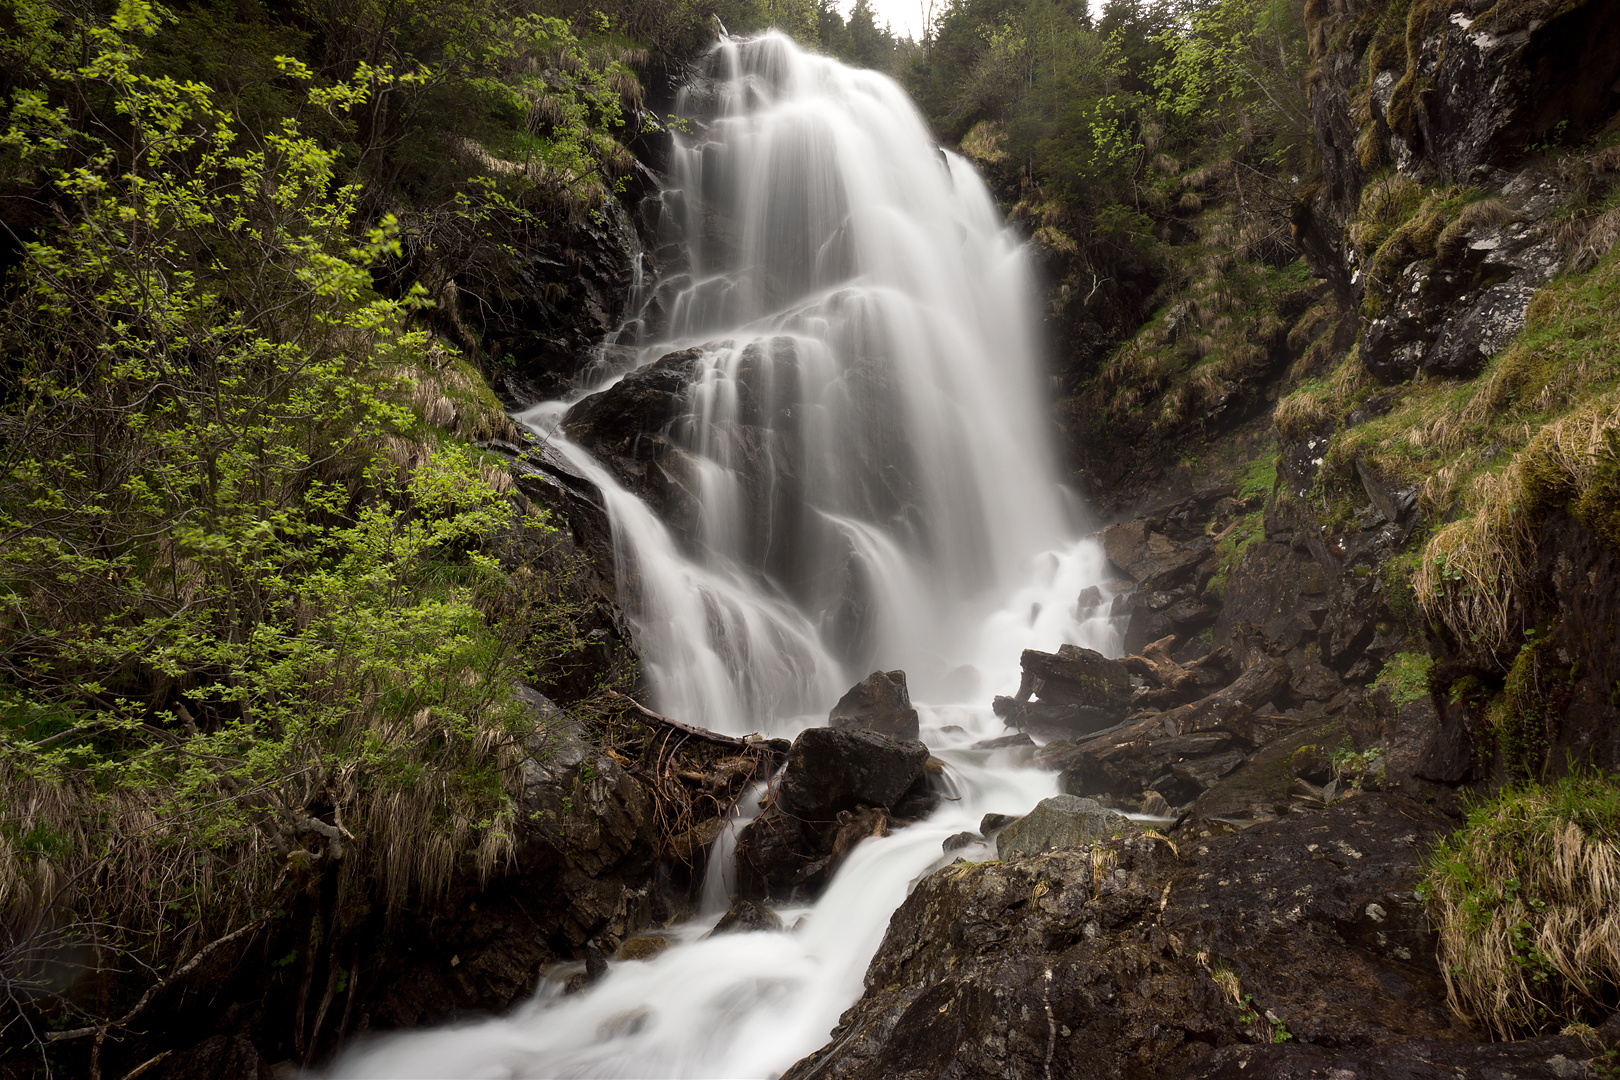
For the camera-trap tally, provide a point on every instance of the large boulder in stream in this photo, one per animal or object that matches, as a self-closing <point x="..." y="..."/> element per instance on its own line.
<point x="1062" y="821"/>
<point x="1076" y="691"/>
<point x="1075" y="676"/>
<point x="880" y="702"/>
<point x="840" y="786"/>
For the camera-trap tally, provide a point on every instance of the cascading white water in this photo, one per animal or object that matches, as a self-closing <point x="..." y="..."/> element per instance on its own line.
<point x="875" y="490"/>
<point x="862" y="434"/>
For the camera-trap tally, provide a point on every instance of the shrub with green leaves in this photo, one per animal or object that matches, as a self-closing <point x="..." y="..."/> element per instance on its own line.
<point x="254" y="619"/>
<point x="1526" y="900"/>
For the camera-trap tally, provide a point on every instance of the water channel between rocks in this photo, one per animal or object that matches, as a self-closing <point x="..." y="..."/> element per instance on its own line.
<point x="869" y="486"/>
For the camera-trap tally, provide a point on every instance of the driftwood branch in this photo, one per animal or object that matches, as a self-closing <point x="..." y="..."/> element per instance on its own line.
<point x="685" y="729"/>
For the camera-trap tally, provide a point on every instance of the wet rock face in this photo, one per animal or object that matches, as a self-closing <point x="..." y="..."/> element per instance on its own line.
<point x="1450" y="315"/>
<point x="564" y="293"/>
<point x="1070" y="964"/>
<point x="627" y="427"/>
<point x="1579" y="579"/>
<point x="880" y="702"/>
<point x="1501" y="88"/>
<point x="1560" y="1058"/>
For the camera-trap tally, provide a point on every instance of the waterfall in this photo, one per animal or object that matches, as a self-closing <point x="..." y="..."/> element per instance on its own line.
<point x="865" y="482"/>
<point x="861" y="438"/>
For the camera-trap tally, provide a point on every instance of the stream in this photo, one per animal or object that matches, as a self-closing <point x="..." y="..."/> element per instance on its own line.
<point x="875" y="489"/>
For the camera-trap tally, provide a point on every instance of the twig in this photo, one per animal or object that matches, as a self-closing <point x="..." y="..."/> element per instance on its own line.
<point x="152" y="991"/>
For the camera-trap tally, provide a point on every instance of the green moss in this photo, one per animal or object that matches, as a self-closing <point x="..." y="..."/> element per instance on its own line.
<point x="1396" y="577"/>
<point x="1405" y="677"/>
<point x="1518" y="719"/>
<point x="1258" y="478"/>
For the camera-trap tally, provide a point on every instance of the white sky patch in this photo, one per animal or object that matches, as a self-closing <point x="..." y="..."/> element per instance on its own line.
<point x="905" y="17"/>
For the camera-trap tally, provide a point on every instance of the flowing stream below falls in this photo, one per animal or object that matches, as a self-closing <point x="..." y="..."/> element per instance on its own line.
<point x="868" y="323"/>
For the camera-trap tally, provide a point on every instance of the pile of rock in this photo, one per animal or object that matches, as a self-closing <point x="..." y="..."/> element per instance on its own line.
<point x="857" y="778"/>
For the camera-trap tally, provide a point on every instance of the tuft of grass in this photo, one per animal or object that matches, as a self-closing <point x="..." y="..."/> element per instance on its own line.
<point x="1526" y="900"/>
<point x="1484" y="214"/>
<point x="1475" y="569"/>
<point x="1386" y="203"/>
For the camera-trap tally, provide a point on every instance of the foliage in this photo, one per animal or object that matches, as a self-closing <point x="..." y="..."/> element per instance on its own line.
<point x="1526" y="899"/>
<point x="1258" y="478"/>
<point x="1239" y="60"/>
<point x="859" y="41"/>
<point x="255" y="622"/>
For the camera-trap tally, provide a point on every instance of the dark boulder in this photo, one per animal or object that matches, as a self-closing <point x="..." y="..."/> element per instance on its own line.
<point x="629" y="428"/>
<point x="1074" y="676"/>
<point x="222" y="1057"/>
<point x="833" y="769"/>
<point x="840" y="785"/>
<point x="644" y="402"/>
<point x="880" y="702"/>
<point x="992" y="823"/>
<point x="1005" y="742"/>
<point x="777" y="855"/>
<point x="1053" y="721"/>
<point x="1205" y="771"/>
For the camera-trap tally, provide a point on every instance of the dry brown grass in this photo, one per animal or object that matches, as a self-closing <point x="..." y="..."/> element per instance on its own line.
<point x="1320" y="404"/>
<point x="1475" y="570"/>
<point x="449" y="393"/>
<point x="68" y="849"/>
<point x="1526" y="898"/>
<point x="1589" y="239"/>
<point x="1484" y="214"/>
<point x="983" y="142"/>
